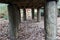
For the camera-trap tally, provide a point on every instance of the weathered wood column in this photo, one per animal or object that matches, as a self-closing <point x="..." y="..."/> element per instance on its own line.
<point x="32" y="13"/>
<point x="14" y="18"/>
<point x="19" y="14"/>
<point x="50" y="20"/>
<point x="24" y="14"/>
<point x="38" y="15"/>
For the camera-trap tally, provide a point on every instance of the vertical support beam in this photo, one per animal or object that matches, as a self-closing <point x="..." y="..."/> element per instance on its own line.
<point x="20" y="15"/>
<point x="32" y="13"/>
<point x="14" y="18"/>
<point x="50" y="20"/>
<point x="24" y="14"/>
<point x="38" y="15"/>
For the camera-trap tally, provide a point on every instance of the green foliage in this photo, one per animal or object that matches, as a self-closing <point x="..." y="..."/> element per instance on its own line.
<point x="4" y="10"/>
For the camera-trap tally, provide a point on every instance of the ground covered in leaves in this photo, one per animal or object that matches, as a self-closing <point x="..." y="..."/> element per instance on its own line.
<point x="28" y="30"/>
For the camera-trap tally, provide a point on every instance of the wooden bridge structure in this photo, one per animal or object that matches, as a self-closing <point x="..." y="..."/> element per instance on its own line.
<point x="50" y="15"/>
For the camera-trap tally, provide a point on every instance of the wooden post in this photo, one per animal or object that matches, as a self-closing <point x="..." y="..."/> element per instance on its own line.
<point x="20" y="14"/>
<point x="50" y="20"/>
<point x="38" y="15"/>
<point x="14" y="18"/>
<point x="24" y="14"/>
<point x="32" y="13"/>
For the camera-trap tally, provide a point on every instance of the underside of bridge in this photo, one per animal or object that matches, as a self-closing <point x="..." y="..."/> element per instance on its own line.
<point x="50" y="18"/>
<point x="25" y="3"/>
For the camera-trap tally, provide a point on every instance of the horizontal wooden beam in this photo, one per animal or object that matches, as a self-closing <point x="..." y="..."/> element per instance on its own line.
<point x="24" y="3"/>
<point x="33" y="2"/>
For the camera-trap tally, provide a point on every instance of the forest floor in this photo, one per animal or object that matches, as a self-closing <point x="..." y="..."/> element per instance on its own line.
<point x="28" y="30"/>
